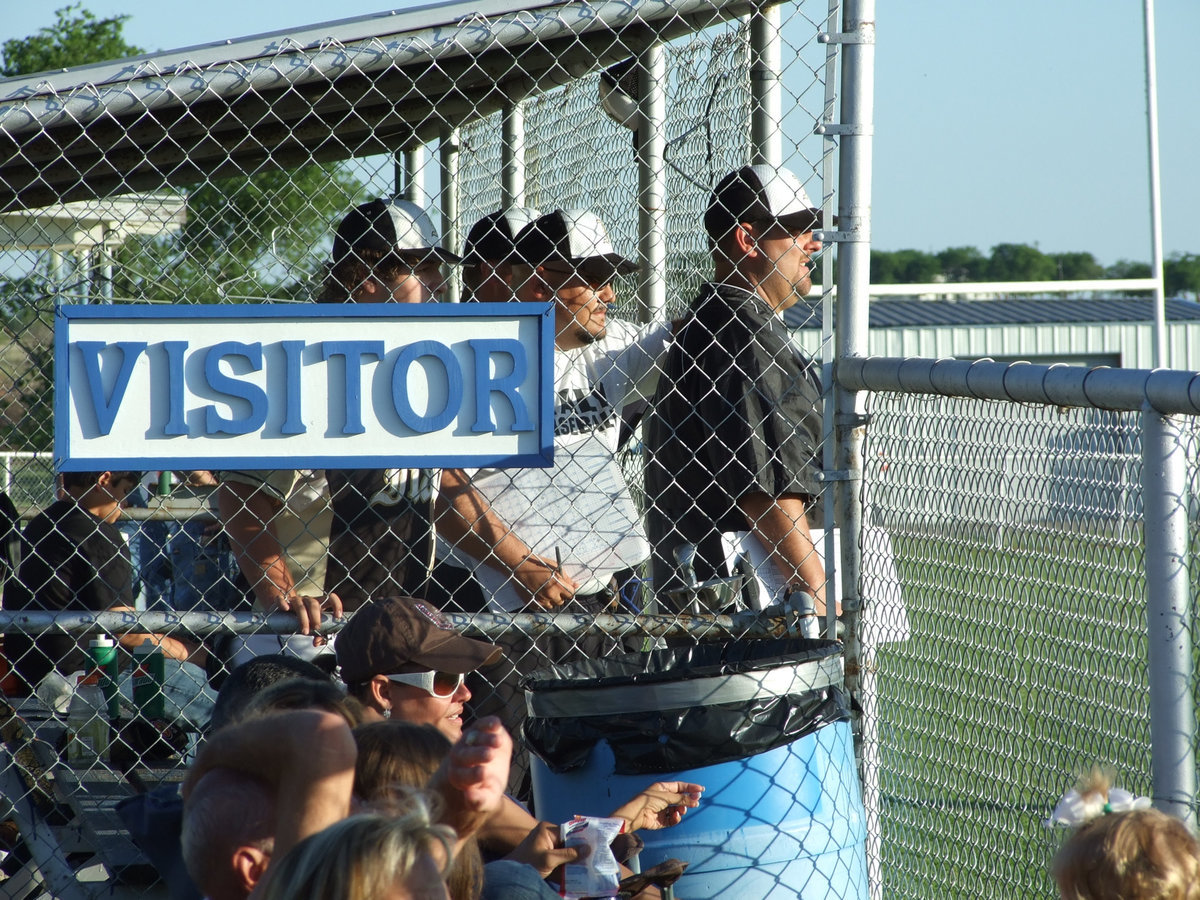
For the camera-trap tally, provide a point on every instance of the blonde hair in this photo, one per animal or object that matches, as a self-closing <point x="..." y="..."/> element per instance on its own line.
<point x="360" y="858"/>
<point x="395" y="756"/>
<point x="1142" y="854"/>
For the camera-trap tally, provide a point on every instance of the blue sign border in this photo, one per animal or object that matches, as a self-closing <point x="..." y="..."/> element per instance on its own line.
<point x="543" y="313"/>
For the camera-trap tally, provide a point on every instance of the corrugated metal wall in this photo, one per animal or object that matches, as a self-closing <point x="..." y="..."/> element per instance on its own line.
<point x="1125" y="344"/>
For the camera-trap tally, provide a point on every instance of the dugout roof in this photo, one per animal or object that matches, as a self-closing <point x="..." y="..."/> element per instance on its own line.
<point x="356" y="87"/>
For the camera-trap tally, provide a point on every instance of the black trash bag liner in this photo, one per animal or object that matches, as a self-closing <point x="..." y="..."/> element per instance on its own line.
<point x="691" y="735"/>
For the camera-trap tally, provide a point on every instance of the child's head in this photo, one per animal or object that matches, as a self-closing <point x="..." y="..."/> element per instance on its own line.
<point x="1137" y="854"/>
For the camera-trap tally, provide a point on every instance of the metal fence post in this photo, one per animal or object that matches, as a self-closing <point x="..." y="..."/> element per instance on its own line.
<point x="512" y="155"/>
<point x="854" y="274"/>
<point x="448" y="151"/>
<point x="410" y="175"/>
<point x="652" y="182"/>
<point x="854" y="277"/>
<point x="765" y="104"/>
<point x="1168" y="616"/>
<point x="1161" y="353"/>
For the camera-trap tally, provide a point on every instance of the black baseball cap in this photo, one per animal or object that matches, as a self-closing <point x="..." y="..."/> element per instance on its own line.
<point x="493" y="238"/>
<point x="759" y="194"/>
<point x="575" y="236"/>
<point x="389" y="226"/>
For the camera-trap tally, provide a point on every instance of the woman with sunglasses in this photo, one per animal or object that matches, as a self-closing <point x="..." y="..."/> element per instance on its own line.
<point x="401" y="658"/>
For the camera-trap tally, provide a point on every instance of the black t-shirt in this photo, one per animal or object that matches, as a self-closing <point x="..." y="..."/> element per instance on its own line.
<point x="380" y="543"/>
<point x="71" y="561"/>
<point x="737" y="411"/>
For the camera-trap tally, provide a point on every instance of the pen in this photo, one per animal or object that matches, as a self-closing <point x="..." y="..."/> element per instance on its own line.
<point x="558" y="560"/>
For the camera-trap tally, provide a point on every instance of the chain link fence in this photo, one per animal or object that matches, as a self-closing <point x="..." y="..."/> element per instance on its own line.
<point x="220" y="178"/>
<point x="1017" y="532"/>
<point x="1003" y="638"/>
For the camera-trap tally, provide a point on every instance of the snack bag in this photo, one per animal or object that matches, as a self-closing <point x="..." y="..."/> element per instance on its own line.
<point x="597" y="874"/>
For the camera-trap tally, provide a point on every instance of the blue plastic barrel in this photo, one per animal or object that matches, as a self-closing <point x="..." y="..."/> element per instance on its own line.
<point x="784" y="823"/>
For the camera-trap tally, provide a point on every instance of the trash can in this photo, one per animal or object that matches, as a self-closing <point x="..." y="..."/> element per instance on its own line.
<point x="763" y="725"/>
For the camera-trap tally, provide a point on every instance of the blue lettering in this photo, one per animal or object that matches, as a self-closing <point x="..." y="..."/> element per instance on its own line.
<point x="292" y="421"/>
<point x="485" y="383"/>
<point x="214" y="423"/>
<point x="454" y="386"/>
<point x="176" y="424"/>
<point x="354" y="352"/>
<point x="106" y="408"/>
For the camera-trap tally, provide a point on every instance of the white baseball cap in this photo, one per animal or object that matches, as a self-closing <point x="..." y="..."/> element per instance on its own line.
<point x="576" y="236"/>
<point x="389" y="226"/>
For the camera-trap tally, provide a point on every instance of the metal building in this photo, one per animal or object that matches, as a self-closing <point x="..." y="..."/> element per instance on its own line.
<point x="1096" y="332"/>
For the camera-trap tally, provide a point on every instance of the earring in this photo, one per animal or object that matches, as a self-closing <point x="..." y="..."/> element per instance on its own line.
<point x="387" y="712"/>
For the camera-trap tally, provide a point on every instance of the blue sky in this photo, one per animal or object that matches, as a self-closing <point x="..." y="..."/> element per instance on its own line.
<point x="1020" y="121"/>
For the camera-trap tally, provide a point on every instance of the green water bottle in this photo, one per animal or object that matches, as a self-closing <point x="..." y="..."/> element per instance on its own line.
<point x="149" y="671"/>
<point x="103" y="650"/>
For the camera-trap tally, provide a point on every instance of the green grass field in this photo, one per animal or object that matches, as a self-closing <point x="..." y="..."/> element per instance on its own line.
<point x="1027" y="664"/>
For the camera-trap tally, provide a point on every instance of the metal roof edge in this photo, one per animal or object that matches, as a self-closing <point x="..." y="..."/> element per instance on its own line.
<point x="142" y="86"/>
<point x="257" y="46"/>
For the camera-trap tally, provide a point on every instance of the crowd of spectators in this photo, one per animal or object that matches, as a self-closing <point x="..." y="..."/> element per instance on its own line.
<point x="379" y="761"/>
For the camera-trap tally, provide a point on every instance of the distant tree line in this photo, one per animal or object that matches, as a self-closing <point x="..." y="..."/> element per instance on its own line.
<point x="1020" y="262"/>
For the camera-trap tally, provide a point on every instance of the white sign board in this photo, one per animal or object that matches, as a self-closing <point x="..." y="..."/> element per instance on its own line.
<point x="321" y="386"/>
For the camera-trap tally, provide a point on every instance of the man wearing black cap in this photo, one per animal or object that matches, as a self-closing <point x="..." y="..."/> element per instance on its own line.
<point x="487" y="272"/>
<point x="374" y="523"/>
<point x="734" y="436"/>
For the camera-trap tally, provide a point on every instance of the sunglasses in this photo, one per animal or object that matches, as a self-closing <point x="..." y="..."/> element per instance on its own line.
<point x="596" y="274"/>
<point x="437" y="684"/>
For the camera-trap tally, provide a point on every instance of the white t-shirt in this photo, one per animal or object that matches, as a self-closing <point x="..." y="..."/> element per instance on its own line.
<point x="580" y="505"/>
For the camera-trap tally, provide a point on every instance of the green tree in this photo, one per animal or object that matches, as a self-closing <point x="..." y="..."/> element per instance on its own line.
<point x="1019" y="262"/>
<point x="76" y="38"/>
<point x="256" y="235"/>
<point x="1181" y="275"/>
<point x="1127" y="268"/>
<point x="962" y="264"/>
<point x="247" y="237"/>
<point x="883" y="267"/>
<point x="916" y="267"/>
<point x="903" y="267"/>
<point x="1076" y="266"/>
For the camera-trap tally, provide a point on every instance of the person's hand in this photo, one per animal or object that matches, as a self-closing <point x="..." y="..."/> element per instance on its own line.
<point x="198" y="478"/>
<point x="542" y="583"/>
<point x="542" y="849"/>
<point x="478" y="765"/>
<point x="659" y="806"/>
<point x="308" y="611"/>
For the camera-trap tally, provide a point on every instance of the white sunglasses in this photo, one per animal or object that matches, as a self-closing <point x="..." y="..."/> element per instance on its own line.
<point x="437" y="684"/>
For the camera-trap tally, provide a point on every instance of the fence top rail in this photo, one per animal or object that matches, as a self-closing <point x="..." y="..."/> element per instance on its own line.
<point x="777" y="622"/>
<point x="1166" y="391"/>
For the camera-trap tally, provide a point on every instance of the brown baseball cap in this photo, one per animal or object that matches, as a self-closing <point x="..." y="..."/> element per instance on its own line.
<point x="397" y="635"/>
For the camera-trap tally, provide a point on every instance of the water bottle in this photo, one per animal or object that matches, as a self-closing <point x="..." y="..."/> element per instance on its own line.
<point x="103" y="650"/>
<point x="149" y="671"/>
<point x="87" y="727"/>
